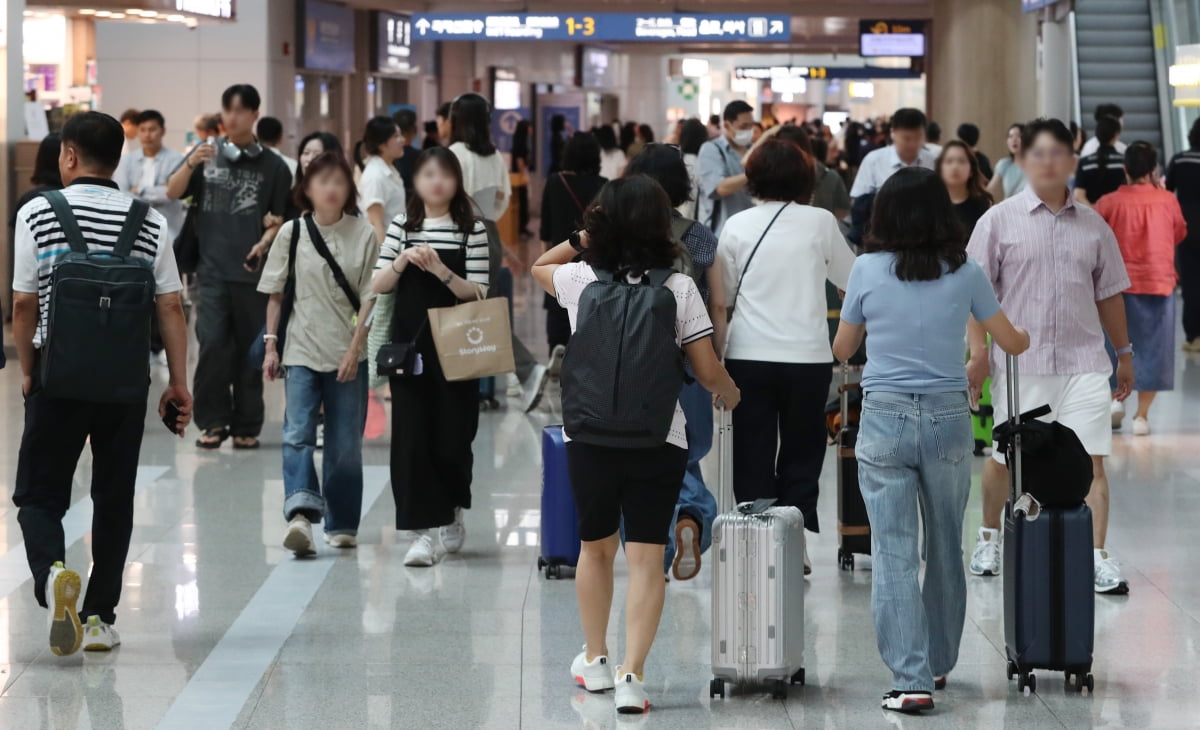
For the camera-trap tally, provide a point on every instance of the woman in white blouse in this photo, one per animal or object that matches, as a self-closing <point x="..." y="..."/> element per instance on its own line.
<point x="380" y="191"/>
<point x="485" y="176"/>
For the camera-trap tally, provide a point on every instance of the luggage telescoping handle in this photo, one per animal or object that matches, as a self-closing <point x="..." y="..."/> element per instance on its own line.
<point x="724" y="460"/>
<point x="1014" y="444"/>
<point x="844" y="398"/>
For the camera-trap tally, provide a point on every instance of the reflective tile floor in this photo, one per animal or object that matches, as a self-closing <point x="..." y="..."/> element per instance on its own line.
<point x="223" y="628"/>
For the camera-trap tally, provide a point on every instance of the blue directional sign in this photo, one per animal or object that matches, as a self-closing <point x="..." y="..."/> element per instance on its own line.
<point x="742" y="28"/>
<point x="1029" y="5"/>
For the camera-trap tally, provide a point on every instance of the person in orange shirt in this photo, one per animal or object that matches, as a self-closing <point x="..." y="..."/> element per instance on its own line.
<point x="1148" y="223"/>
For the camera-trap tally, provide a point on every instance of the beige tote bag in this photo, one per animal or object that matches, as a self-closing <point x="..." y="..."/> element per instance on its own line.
<point x="473" y="339"/>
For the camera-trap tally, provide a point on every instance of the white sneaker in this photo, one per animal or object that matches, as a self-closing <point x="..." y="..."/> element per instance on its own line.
<point x="594" y="676"/>
<point x="631" y="694"/>
<point x="341" y="541"/>
<point x="988" y="554"/>
<point x="535" y="387"/>
<point x="454" y="534"/>
<point x="320" y="444"/>
<point x="299" y="537"/>
<point x="1141" y="427"/>
<point x="421" y="554"/>
<point x="1118" y="414"/>
<point x="1108" y="574"/>
<point x="556" y="360"/>
<point x="514" y="387"/>
<point x="99" y="636"/>
<point x="62" y="592"/>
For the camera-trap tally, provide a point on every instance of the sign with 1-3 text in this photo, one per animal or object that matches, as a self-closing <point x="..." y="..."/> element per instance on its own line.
<point x="741" y="28"/>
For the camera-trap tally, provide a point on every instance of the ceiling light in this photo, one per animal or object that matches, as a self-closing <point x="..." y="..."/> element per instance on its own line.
<point x="87" y="11"/>
<point x="104" y="14"/>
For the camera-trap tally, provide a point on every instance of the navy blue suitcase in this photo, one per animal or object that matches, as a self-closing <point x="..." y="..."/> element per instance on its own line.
<point x="1049" y="599"/>
<point x="560" y="525"/>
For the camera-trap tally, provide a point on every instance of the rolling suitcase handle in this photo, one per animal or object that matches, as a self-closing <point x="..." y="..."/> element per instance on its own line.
<point x="725" y="500"/>
<point x="1013" y="457"/>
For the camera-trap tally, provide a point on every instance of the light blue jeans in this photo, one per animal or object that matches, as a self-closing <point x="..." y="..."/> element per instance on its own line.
<point x="914" y="453"/>
<point x="338" y="497"/>
<point x="694" y="498"/>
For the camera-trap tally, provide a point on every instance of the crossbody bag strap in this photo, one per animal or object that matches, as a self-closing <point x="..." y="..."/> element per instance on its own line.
<point x="133" y="226"/>
<point x="318" y="242"/>
<point x="66" y="220"/>
<point x="567" y="185"/>
<point x="742" y="276"/>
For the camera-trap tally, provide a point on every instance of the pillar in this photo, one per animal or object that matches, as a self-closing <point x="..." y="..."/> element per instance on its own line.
<point x="1057" y="71"/>
<point x="981" y="68"/>
<point x="12" y="127"/>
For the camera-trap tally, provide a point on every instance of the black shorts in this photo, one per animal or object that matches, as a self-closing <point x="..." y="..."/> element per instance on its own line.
<point x="641" y="485"/>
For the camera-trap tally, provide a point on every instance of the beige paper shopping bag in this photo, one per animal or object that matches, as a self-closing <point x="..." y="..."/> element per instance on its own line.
<point x="473" y="339"/>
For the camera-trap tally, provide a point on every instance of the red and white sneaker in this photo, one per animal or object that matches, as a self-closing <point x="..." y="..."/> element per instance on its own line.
<point x="631" y="694"/>
<point x="910" y="702"/>
<point x="594" y="676"/>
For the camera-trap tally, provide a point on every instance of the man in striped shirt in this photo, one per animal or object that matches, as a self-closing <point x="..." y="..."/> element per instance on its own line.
<point x="56" y="429"/>
<point x="1058" y="271"/>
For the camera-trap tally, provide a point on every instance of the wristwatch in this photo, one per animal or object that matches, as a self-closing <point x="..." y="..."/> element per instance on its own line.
<point x="1126" y="350"/>
<point x="449" y="278"/>
<point x="573" y="239"/>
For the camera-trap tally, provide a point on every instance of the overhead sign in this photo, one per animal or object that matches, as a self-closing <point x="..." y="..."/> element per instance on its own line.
<point x="891" y="38"/>
<point x="740" y="28"/>
<point x="1030" y="5"/>
<point x="210" y="8"/>
<point x="328" y="37"/>
<point x="393" y="39"/>
<point x="768" y="73"/>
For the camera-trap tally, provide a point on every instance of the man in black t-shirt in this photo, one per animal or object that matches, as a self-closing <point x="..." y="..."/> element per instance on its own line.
<point x="1183" y="179"/>
<point x="235" y="183"/>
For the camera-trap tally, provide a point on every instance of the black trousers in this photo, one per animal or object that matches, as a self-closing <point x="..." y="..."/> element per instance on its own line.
<point x="55" y="433"/>
<point x="1188" y="262"/>
<point x="228" y="391"/>
<point x="433" y="426"/>
<point x="779" y="433"/>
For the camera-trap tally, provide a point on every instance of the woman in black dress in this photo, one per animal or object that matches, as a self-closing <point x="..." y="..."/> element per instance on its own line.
<point x="435" y="256"/>
<point x="959" y="169"/>
<point x="520" y="165"/>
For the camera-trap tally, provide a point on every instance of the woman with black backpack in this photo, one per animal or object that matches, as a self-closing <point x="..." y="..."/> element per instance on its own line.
<point x="318" y="276"/>
<point x="626" y="432"/>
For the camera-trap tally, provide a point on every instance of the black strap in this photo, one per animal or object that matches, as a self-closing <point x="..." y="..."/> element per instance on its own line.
<point x="133" y="226"/>
<point x="754" y="250"/>
<point x="715" y="215"/>
<point x="318" y="241"/>
<point x="654" y="277"/>
<point x="66" y="220"/>
<point x="562" y="177"/>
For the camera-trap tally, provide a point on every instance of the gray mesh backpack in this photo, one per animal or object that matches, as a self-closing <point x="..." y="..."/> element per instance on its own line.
<point x="623" y="369"/>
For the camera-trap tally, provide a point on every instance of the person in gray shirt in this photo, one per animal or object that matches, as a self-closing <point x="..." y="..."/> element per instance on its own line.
<point x="236" y="182"/>
<point x="722" y="178"/>
<point x="144" y="172"/>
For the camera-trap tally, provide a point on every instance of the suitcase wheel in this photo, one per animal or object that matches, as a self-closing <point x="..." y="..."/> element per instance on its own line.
<point x="779" y="690"/>
<point x="798" y="677"/>
<point x="542" y="565"/>
<point x="1027" y="683"/>
<point x="1080" y="682"/>
<point x="554" y="571"/>
<point x="845" y="559"/>
<point x="716" y="688"/>
<point x="1012" y="669"/>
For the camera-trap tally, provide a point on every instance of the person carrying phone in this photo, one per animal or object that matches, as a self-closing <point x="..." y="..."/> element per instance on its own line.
<point x="236" y="182"/>
<point x="57" y="427"/>
<point x="323" y="351"/>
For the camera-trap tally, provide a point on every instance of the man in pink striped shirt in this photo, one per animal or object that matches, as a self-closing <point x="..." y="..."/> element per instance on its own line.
<point x="1057" y="270"/>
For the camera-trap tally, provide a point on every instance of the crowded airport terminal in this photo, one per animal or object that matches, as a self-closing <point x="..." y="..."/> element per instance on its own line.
<point x="530" y="364"/>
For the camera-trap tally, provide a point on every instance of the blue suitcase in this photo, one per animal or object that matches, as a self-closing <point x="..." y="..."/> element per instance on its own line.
<point x="1049" y="600"/>
<point x="560" y="526"/>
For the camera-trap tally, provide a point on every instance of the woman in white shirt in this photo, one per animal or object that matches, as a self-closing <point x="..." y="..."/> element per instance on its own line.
<point x="776" y="258"/>
<point x="380" y="191"/>
<point x="485" y="176"/>
<point x="612" y="158"/>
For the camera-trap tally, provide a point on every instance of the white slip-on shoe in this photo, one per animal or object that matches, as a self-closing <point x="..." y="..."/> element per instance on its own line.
<point x="594" y="676"/>
<point x="1118" y="414"/>
<point x="1141" y="427"/>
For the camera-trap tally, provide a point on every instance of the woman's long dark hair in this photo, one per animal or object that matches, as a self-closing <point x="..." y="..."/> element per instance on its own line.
<point x="379" y="130"/>
<point x="629" y="227"/>
<point x="461" y="209"/>
<point x="915" y="220"/>
<point x="520" y="144"/>
<point x="975" y="187"/>
<point x="329" y="142"/>
<point x="45" y="168"/>
<point x="1107" y="129"/>
<point x="471" y="124"/>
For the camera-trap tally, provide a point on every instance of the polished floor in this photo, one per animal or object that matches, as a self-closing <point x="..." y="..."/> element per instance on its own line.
<point x="223" y="628"/>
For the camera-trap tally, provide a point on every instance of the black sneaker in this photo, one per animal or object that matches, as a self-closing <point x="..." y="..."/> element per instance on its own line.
<point x="910" y="702"/>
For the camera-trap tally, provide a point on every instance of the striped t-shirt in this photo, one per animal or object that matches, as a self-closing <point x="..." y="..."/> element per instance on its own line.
<point x="100" y="209"/>
<point x="442" y="234"/>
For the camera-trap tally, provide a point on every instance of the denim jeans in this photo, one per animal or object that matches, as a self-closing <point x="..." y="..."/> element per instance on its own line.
<point x="914" y="453"/>
<point x="694" y="499"/>
<point x="338" y="497"/>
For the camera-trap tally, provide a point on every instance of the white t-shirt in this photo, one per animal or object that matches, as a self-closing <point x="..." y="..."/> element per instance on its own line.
<point x="149" y="174"/>
<point x="691" y="319"/>
<point x="1092" y="146"/>
<point x="381" y="185"/>
<point x="612" y="164"/>
<point x="485" y="179"/>
<point x="781" y="313"/>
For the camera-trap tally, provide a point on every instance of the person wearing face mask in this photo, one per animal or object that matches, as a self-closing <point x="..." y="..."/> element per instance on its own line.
<point x="906" y="150"/>
<point x="723" y="191"/>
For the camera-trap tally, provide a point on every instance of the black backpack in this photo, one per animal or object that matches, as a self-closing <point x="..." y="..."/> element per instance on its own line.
<point x="97" y="343"/>
<point x="623" y="369"/>
<point x="1055" y="466"/>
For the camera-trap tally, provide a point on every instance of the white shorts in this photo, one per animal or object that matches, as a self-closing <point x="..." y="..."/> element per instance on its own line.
<point x="1079" y="402"/>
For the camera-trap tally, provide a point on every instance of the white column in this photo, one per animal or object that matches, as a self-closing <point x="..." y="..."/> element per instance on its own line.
<point x="1056" y="69"/>
<point x="12" y="16"/>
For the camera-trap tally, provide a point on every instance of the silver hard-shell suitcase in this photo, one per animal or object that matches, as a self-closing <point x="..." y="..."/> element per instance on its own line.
<point x="758" y="588"/>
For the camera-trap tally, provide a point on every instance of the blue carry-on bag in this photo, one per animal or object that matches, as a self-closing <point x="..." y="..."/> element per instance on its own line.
<point x="1049" y="601"/>
<point x="560" y="525"/>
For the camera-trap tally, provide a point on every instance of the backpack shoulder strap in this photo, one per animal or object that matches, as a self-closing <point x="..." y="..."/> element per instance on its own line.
<point x="602" y="275"/>
<point x="658" y="277"/>
<point x="133" y="226"/>
<point x="66" y="220"/>
<point x="318" y="241"/>
<point x="680" y="225"/>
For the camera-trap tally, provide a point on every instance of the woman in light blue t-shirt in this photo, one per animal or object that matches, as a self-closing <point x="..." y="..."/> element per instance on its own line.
<point x="913" y="291"/>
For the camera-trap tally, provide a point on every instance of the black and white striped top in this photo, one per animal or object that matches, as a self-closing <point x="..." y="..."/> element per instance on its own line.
<point x="100" y="209"/>
<point x="443" y="235"/>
